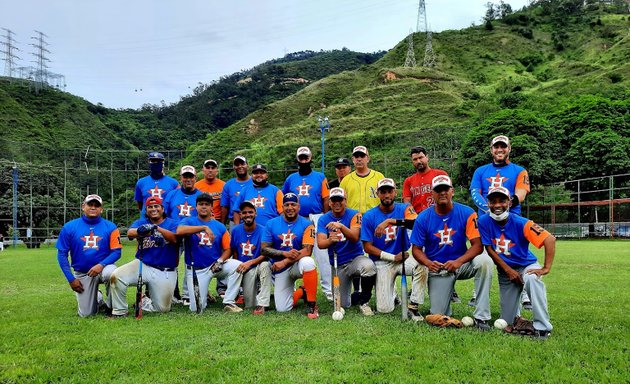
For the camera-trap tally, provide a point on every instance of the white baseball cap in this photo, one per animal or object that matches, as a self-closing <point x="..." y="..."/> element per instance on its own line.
<point x="501" y="139"/>
<point x="441" y="180"/>
<point x="240" y="158"/>
<point x="303" y="151"/>
<point x="499" y="190"/>
<point x="89" y="198"/>
<point x="188" y="169"/>
<point x="210" y="161"/>
<point x="386" y="182"/>
<point x="337" y="192"/>
<point x="361" y="149"/>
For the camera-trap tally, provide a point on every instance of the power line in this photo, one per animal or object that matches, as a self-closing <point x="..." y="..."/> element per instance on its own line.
<point x="9" y="55"/>
<point x="410" y="60"/>
<point x="41" y="72"/>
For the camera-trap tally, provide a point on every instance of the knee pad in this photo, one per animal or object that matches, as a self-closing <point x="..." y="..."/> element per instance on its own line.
<point x="307" y="264"/>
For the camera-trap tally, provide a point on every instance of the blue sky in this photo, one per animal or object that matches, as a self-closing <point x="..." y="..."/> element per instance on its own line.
<point x="127" y="53"/>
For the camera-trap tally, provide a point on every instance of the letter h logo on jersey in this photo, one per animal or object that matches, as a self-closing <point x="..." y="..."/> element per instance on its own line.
<point x="497" y="181"/>
<point x="303" y="189"/>
<point x="204" y="239"/>
<point x="185" y="209"/>
<point x="91" y="241"/>
<point x="247" y="249"/>
<point x="156" y="192"/>
<point x="503" y="245"/>
<point x="390" y="233"/>
<point x="259" y="202"/>
<point x="287" y="239"/>
<point x="445" y="235"/>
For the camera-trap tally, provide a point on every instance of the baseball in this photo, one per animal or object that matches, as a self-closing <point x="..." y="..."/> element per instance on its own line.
<point x="500" y="324"/>
<point x="337" y="315"/>
<point x="467" y="321"/>
<point x="343" y="311"/>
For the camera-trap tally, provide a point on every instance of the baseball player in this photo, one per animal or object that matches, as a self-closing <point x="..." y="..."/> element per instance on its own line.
<point x="506" y="238"/>
<point x="384" y="237"/>
<point x="233" y="188"/>
<point x="212" y="185"/>
<point x="156" y="184"/>
<point x="207" y="246"/>
<point x="360" y="185"/>
<point x="439" y="242"/>
<point x="266" y="197"/>
<point x="339" y="231"/>
<point x="158" y="251"/>
<point x="288" y="243"/>
<point x="311" y="187"/>
<point x="417" y="187"/>
<point x="500" y="173"/>
<point x="342" y="169"/>
<point x="94" y="246"/>
<point x="246" y="247"/>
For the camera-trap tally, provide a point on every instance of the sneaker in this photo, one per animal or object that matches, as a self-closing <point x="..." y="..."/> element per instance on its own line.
<point x="185" y="302"/>
<point x="240" y="300"/>
<point x="175" y="301"/>
<point x="232" y="308"/>
<point x="472" y="302"/>
<point x="329" y="296"/>
<point x="313" y="311"/>
<point x="147" y="304"/>
<point x="414" y="314"/>
<point x="455" y="298"/>
<point x="212" y="299"/>
<point x="542" y="335"/>
<point x="112" y="316"/>
<point x="259" y="310"/>
<point x="220" y="292"/>
<point x="482" y="325"/>
<point x="527" y="305"/>
<point x="366" y="310"/>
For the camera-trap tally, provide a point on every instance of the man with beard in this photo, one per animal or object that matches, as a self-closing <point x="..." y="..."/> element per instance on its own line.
<point x="439" y="243"/>
<point x="288" y="243"/>
<point x="384" y="237"/>
<point x="154" y="185"/>
<point x="212" y="185"/>
<point x="233" y="188"/>
<point x="507" y="238"/>
<point x="158" y="252"/>
<point x="266" y="197"/>
<point x="360" y="185"/>
<point x="311" y="187"/>
<point x="246" y="247"/>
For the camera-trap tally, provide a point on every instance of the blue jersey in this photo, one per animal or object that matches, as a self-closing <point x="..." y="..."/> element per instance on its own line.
<point x="346" y="250"/>
<point x="179" y="204"/>
<point x="285" y="236"/>
<point x="165" y="256"/>
<point x="511" y="242"/>
<point x="390" y="241"/>
<point x="267" y="200"/>
<point x="199" y="246"/>
<point x="231" y="190"/>
<point x="444" y="236"/>
<point x="246" y="244"/>
<point x="510" y="176"/>
<point x="89" y="242"/>
<point x="148" y="186"/>
<point x="310" y="189"/>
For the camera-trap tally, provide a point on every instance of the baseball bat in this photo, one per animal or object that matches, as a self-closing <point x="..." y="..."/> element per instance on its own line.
<point x="138" y="306"/>
<point x="336" y="290"/>
<point x="403" y="280"/>
<point x="195" y="283"/>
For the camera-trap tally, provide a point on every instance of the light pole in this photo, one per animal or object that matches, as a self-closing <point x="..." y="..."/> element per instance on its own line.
<point x="324" y="126"/>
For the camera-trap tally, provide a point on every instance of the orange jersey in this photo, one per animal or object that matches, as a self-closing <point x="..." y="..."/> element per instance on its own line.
<point x="215" y="189"/>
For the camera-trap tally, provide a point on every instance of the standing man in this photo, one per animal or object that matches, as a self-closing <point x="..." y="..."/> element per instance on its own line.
<point x="288" y="243"/>
<point x="158" y="251"/>
<point x="339" y="231"/>
<point x="500" y="173"/>
<point x="246" y="248"/>
<point x="266" y="197"/>
<point x="385" y="240"/>
<point x="212" y="185"/>
<point x="207" y="246"/>
<point x="156" y="184"/>
<point x="233" y="188"/>
<point x="342" y="169"/>
<point x="417" y="187"/>
<point x="507" y="238"/>
<point x="94" y="246"/>
<point x="180" y="203"/>
<point x="439" y="243"/>
<point x="311" y="187"/>
<point x="360" y="185"/>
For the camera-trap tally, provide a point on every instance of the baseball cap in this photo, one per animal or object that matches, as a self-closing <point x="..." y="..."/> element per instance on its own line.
<point x="156" y="156"/>
<point x="303" y="151"/>
<point x="501" y="139"/>
<point x="210" y="161"/>
<point x="359" y="148"/>
<point x="259" y="167"/>
<point x="188" y="169"/>
<point x="246" y="203"/>
<point x="441" y="180"/>
<point x="239" y="158"/>
<point x="499" y="190"/>
<point x="342" y="162"/>
<point x="204" y="197"/>
<point x="151" y="200"/>
<point x="290" y="198"/>
<point x="89" y="198"/>
<point x="386" y="182"/>
<point x="337" y="192"/>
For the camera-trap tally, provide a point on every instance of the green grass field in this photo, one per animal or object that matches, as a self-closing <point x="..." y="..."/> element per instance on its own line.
<point x="42" y="339"/>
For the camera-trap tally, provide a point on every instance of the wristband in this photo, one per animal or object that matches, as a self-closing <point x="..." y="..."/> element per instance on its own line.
<point x="387" y="256"/>
<point x="400" y="222"/>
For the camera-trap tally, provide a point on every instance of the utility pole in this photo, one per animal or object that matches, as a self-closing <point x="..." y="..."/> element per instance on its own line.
<point x="41" y="72"/>
<point x="422" y="26"/>
<point x="410" y="60"/>
<point x="9" y="52"/>
<point x="429" y="55"/>
<point x="324" y="126"/>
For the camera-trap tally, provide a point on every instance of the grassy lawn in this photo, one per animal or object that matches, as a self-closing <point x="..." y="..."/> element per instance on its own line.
<point x="42" y="339"/>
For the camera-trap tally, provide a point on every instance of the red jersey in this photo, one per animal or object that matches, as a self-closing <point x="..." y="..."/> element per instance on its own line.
<point x="418" y="188"/>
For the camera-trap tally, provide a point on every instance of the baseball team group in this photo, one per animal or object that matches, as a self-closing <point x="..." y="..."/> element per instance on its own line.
<point x="348" y="237"/>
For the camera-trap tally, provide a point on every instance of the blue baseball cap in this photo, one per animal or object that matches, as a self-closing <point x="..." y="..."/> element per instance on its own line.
<point x="290" y="198"/>
<point x="156" y="156"/>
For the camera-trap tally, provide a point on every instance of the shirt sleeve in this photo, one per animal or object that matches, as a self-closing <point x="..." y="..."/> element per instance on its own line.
<point x="417" y="235"/>
<point x="367" y="232"/>
<point x="63" y="248"/>
<point x="406" y="192"/>
<point x="138" y="194"/>
<point x="410" y="213"/>
<point x="472" y="228"/>
<point x="279" y="197"/>
<point x="522" y="181"/>
<point x="325" y="190"/>
<point x="308" y="238"/>
<point x="356" y="221"/>
<point x="266" y="235"/>
<point x="225" y="240"/>
<point x="484" y="231"/>
<point x="475" y="192"/>
<point x="535" y="233"/>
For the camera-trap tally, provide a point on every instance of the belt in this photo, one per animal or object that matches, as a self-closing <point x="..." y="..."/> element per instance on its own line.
<point x="196" y="268"/>
<point x="163" y="269"/>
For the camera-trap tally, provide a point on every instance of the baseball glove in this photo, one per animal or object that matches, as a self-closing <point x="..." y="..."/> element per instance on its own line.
<point x="521" y="326"/>
<point x="443" y="321"/>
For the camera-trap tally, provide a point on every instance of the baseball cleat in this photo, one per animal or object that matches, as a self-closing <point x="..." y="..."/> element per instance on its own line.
<point x="185" y="302"/>
<point x="240" y="300"/>
<point x="259" y="310"/>
<point x="313" y="311"/>
<point x="542" y="335"/>
<point x="366" y="310"/>
<point x="472" y="302"/>
<point x="232" y="308"/>
<point x="527" y="305"/>
<point x="414" y="315"/>
<point x="455" y="298"/>
<point x="482" y="325"/>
